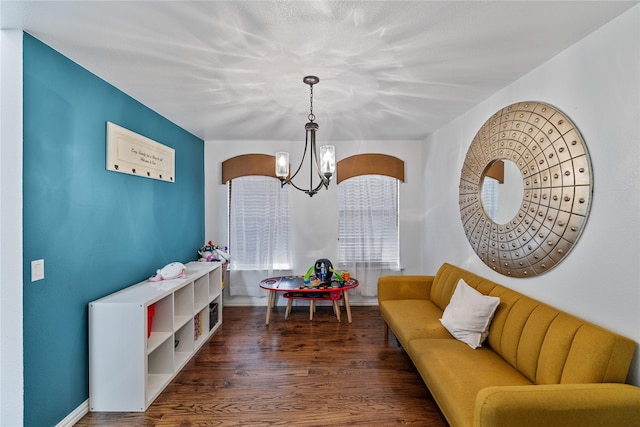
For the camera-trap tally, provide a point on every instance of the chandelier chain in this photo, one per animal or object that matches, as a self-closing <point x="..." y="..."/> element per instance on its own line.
<point x="311" y="116"/>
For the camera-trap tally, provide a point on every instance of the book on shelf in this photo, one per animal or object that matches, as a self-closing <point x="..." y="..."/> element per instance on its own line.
<point x="197" y="326"/>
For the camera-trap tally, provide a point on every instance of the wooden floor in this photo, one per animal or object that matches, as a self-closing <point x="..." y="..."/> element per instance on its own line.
<point x="293" y="372"/>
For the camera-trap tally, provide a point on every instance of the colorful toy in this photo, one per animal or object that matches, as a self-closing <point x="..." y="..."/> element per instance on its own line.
<point x="323" y="271"/>
<point x="210" y="252"/>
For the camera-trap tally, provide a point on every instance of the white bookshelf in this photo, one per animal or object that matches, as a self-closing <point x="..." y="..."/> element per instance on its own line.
<point x="127" y="368"/>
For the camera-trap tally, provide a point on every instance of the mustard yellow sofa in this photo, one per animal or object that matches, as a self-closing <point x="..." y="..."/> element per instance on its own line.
<point x="539" y="366"/>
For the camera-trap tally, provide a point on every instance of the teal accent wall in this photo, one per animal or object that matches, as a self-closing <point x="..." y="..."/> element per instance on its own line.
<point x="98" y="231"/>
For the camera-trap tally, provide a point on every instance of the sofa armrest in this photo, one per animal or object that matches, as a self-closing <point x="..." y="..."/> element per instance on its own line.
<point x="404" y="287"/>
<point x="558" y="405"/>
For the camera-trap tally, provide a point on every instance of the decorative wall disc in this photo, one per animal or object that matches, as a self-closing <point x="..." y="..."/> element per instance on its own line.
<point x="558" y="185"/>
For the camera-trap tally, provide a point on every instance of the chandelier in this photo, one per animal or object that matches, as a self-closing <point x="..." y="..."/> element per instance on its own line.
<point x="324" y="165"/>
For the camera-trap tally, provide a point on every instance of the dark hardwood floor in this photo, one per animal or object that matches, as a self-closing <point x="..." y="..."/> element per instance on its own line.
<point x="293" y="372"/>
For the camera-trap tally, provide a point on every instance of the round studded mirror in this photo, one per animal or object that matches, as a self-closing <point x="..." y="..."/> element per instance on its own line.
<point x="557" y="188"/>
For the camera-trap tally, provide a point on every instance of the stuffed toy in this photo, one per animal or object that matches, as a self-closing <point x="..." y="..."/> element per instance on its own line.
<point x="174" y="270"/>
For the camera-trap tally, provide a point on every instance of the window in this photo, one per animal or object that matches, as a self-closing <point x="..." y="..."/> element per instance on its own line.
<point x="258" y="224"/>
<point x="489" y="196"/>
<point x="368" y="230"/>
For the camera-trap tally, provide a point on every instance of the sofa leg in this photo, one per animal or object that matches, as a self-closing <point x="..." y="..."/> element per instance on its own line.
<point x="386" y="334"/>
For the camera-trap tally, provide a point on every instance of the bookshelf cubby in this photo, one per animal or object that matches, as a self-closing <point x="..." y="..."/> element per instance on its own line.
<point x="141" y="336"/>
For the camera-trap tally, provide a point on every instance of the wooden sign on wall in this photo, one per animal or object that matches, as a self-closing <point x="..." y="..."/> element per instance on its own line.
<point x="134" y="154"/>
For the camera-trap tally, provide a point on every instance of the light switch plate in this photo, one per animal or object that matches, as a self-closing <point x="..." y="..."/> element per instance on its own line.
<point x="37" y="270"/>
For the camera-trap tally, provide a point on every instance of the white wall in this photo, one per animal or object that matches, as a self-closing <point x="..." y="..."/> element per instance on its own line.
<point x="314" y="221"/>
<point x="596" y="83"/>
<point x="11" y="365"/>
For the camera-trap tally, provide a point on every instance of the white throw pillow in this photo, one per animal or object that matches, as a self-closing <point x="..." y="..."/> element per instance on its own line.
<point x="468" y="315"/>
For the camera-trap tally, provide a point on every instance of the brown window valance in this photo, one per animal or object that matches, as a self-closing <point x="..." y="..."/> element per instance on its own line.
<point x="248" y="164"/>
<point x="370" y="164"/>
<point x="496" y="171"/>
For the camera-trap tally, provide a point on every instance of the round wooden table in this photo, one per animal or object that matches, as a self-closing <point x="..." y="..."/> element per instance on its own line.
<point x="294" y="287"/>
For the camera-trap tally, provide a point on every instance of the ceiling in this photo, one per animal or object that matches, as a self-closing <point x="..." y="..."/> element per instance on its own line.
<point x="231" y="70"/>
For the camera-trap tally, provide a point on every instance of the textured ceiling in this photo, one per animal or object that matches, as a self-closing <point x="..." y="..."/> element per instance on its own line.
<point x="233" y="70"/>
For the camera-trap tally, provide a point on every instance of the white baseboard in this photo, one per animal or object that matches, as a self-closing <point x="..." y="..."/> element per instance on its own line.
<point x="75" y="416"/>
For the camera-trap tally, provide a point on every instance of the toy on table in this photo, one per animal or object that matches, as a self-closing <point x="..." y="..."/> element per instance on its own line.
<point x="323" y="271"/>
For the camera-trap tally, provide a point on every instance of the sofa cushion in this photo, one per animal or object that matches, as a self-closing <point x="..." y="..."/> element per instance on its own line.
<point x="468" y="315"/>
<point x="413" y="318"/>
<point x="455" y="373"/>
<point x="447" y="278"/>
<point x="558" y="405"/>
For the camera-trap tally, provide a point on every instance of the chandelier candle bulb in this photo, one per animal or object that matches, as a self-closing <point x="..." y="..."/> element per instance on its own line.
<point x="327" y="159"/>
<point x="282" y="164"/>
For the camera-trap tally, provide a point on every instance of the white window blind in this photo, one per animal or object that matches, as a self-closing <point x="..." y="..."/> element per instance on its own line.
<point x="258" y="224"/>
<point x="368" y="230"/>
<point x="490" y="196"/>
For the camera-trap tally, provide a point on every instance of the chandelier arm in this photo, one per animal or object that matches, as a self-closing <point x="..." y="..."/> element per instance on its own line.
<point x="319" y="186"/>
<point x="314" y="154"/>
<point x="310" y="192"/>
<point x="290" y="180"/>
<point x="324" y="181"/>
